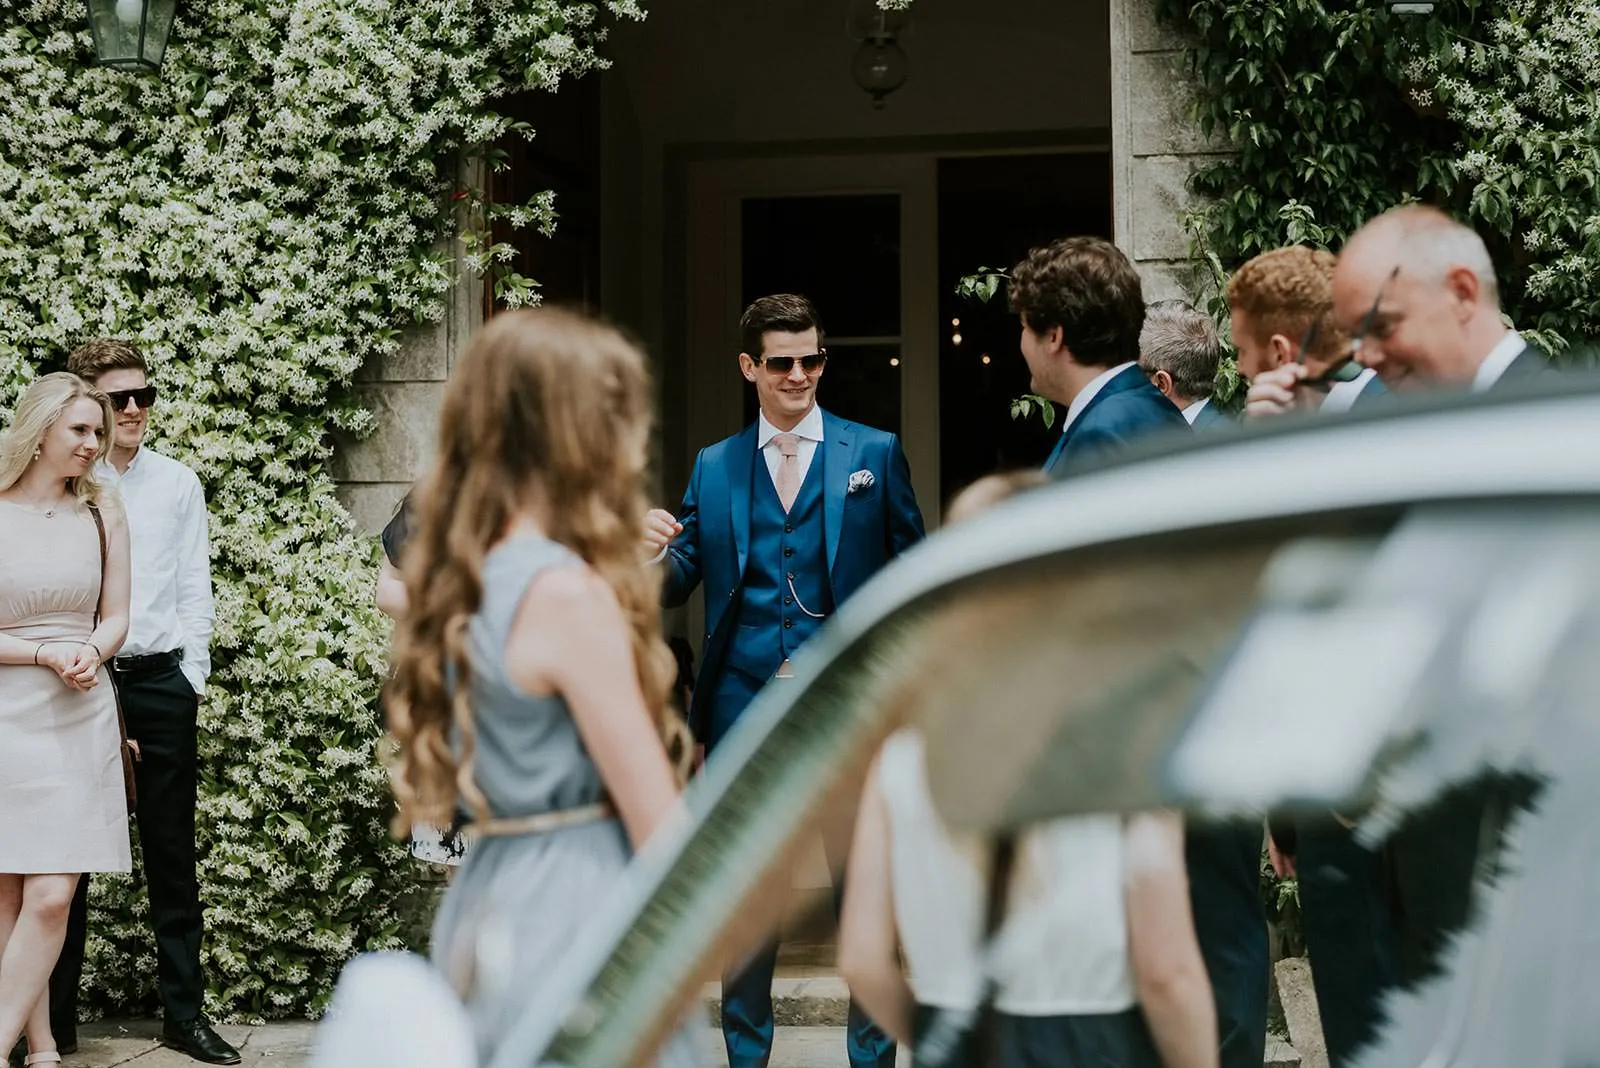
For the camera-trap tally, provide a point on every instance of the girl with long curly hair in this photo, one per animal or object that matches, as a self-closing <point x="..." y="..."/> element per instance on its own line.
<point x="531" y="682"/>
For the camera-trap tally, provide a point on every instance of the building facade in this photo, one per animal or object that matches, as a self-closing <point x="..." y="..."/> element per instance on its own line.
<point x="729" y="152"/>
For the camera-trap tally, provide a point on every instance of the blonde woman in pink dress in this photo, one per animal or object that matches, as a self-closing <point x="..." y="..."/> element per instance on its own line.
<point x="63" y="807"/>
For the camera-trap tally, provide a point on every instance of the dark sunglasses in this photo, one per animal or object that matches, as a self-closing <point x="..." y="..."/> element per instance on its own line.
<point x="142" y="398"/>
<point x="1344" y="369"/>
<point x="810" y="363"/>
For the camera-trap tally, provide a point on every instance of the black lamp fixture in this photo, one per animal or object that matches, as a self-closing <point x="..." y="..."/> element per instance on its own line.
<point x="131" y="34"/>
<point x="880" y="64"/>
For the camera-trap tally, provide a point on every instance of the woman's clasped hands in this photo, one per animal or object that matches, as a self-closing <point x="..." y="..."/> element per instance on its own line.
<point x="78" y="663"/>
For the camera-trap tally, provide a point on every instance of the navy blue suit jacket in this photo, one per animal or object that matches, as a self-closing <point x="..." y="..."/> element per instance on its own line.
<point x="1530" y="363"/>
<point x="1127" y="408"/>
<point x="864" y="530"/>
<point x="1211" y="416"/>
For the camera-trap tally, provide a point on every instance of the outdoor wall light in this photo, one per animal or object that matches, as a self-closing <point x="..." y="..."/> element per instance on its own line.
<point x="880" y="65"/>
<point x="131" y="34"/>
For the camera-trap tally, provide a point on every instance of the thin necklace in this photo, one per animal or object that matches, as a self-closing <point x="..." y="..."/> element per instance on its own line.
<point x="33" y="506"/>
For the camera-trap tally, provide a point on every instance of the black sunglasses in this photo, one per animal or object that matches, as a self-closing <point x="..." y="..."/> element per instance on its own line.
<point x="810" y="363"/>
<point x="1344" y="369"/>
<point x="142" y="398"/>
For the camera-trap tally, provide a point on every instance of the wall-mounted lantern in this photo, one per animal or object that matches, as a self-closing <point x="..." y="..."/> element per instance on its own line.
<point x="131" y="34"/>
<point x="880" y="65"/>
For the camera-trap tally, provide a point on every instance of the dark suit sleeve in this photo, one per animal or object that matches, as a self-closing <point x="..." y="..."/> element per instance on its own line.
<point x="904" y="518"/>
<point x="683" y="555"/>
<point x="1095" y="443"/>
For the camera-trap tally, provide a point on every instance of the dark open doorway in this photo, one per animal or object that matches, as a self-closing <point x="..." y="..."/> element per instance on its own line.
<point x="992" y="210"/>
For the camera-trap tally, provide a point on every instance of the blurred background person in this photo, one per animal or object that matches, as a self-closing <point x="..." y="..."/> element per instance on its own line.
<point x="1179" y="351"/>
<point x="1095" y="959"/>
<point x="1417" y="292"/>
<point x="429" y="843"/>
<point x="63" y="614"/>
<point x="531" y="682"/>
<point x="1081" y="308"/>
<point x="1280" y="305"/>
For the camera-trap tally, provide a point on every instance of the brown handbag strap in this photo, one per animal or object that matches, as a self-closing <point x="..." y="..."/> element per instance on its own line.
<point x="100" y="527"/>
<point x="122" y="722"/>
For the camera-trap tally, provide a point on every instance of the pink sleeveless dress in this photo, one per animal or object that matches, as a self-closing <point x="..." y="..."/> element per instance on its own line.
<point x="62" y="802"/>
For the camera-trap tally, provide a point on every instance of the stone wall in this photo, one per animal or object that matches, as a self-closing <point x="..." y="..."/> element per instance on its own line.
<point x="404" y="392"/>
<point x="1156" y="146"/>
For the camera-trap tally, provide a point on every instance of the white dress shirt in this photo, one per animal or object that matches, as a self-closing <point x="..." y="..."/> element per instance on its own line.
<point x="808" y="430"/>
<point x="1062" y="949"/>
<point x="1192" y="412"/>
<point x="1092" y="390"/>
<point x="170" y="606"/>
<point x="1343" y="395"/>
<point x="1494" y="365"/>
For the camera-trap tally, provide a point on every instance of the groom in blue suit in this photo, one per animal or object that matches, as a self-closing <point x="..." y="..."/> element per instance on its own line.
<point x="1082" y="308"/>
<point x="781" y="523"/>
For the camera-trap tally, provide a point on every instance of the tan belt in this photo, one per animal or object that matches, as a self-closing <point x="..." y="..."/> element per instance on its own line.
<point x="542" y="822"/>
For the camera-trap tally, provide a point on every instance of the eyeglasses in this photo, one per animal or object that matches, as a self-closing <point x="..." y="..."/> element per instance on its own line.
<point x="1345" y="368"/>
<point x="810" y="363"/>
<point x="1368" y="319"/>
<point x="142" y="398"/>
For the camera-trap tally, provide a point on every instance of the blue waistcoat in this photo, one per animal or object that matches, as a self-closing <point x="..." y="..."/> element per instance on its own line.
<point x="770" y="625"/>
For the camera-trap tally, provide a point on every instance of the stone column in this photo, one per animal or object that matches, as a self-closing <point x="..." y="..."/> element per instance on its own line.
<point x="404" y="392"/>
<point x="1155" y="147"/>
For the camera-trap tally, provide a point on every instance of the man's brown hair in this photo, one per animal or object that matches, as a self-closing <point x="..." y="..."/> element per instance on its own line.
<point x="94" y="358"/>
<point x="787" y="313"/>
<point x="1284" y="291"/>
<point x="1087" y="287"/>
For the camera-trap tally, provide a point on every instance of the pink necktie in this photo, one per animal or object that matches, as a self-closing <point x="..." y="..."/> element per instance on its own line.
<point x="788" y="477"/>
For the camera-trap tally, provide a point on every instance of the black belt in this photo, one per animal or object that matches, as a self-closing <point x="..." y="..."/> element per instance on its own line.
<point x="146" y="663"/>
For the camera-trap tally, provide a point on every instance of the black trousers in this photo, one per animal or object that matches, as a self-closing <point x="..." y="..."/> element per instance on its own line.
<point x="161" y="709"/>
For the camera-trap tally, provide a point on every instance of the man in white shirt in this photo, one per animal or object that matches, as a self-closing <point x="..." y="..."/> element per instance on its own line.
<point x="1179" y="350"/>
<point x="159" y="675"/>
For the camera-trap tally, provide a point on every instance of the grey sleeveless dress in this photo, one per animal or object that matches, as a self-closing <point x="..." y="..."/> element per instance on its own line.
<point x="520" y="902"/>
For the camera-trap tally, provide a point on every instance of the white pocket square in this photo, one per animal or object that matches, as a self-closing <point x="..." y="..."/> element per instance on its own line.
<point x="860" y="481"/>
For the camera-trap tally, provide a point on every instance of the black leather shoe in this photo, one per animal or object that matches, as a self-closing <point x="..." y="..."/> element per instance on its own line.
<point x="196" y="1038"/>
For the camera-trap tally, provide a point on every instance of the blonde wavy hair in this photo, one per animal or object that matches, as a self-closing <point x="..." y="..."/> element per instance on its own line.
<point x="39" y="409"/>
<point x="545" y="405"/>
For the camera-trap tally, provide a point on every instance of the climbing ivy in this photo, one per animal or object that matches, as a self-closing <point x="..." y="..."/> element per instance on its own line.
<point x="1335" y="111"/>
<point x="264" y="217"/>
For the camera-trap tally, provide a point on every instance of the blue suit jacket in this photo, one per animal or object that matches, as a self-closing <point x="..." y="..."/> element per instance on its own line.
<point x="864" y="530"/>
<point x="1211" y="416"/>
<point x="1126" y="408"/>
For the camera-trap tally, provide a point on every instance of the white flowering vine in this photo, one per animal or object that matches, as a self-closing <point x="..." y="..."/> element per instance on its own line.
<point x="1524" y="87"/>
<point x="266" y="216"/>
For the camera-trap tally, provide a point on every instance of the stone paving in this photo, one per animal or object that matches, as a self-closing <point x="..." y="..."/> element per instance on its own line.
<point x="109" y="1044"/>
